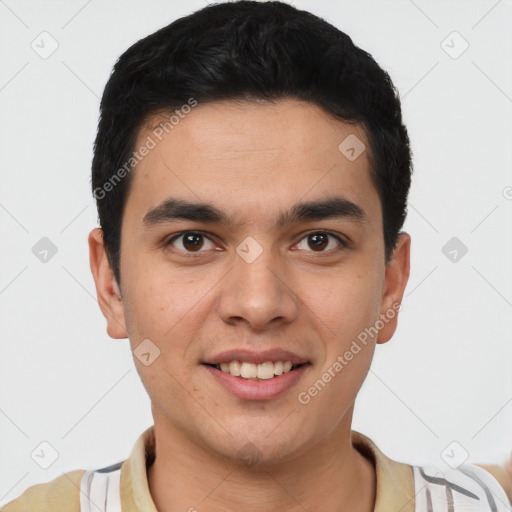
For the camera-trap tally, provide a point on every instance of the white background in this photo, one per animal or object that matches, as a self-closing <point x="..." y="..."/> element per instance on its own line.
<point x="445" y="376"/>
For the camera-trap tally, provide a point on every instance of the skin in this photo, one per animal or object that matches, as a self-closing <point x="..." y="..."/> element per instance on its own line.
<point x="253" y="160"/>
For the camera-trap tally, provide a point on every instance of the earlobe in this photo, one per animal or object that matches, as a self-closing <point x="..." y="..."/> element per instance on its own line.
<point x="397" y="275"/>
<point x="107" y="290"/>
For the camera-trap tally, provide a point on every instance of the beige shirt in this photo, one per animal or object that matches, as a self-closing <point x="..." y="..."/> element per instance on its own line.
<point x="395" y="484"/>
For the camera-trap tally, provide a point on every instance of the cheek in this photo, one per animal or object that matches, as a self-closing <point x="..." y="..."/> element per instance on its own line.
<point x="346" y="302"/>
<point x="163" y="312"/>
<point x="159" y="304"/>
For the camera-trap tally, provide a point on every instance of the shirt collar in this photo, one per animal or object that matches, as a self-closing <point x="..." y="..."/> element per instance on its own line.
<point x="395" y="484"/>
<point x="395" y="481"/>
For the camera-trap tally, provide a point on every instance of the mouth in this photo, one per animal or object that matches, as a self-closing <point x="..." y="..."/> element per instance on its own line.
<point x="252" y="382"/>
<point x="251" y="371"/>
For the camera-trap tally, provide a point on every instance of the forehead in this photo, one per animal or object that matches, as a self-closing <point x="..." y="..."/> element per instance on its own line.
<point x="245" y="156"/>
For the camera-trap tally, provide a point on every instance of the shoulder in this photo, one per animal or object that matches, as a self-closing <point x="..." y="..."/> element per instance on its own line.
<point x="503" y="474"/>
<point x="59" y="495"/>
<point x="468" y="487"/>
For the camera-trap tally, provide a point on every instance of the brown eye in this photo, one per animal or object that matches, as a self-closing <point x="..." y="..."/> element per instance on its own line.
<point x="190" y="242"/>
<point x="318" y="241"/>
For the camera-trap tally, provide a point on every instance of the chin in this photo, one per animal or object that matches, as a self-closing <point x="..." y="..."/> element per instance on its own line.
<point x="260" y="449"/>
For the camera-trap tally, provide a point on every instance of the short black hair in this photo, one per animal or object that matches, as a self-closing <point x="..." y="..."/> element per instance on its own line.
<point x="248" y="50"/>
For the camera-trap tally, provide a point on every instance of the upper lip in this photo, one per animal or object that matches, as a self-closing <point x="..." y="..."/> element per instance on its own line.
<point x="249" y="356"/>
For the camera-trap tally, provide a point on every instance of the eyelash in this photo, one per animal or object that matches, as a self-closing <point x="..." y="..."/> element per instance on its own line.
<point x="343" y="243"/>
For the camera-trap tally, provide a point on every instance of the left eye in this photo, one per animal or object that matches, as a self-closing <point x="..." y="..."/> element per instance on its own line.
<point x="319" y="241"/>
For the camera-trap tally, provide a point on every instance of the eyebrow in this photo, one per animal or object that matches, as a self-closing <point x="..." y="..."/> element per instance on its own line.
<point x="179" y="209"/>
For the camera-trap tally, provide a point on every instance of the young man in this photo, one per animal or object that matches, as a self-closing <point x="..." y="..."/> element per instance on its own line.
<point x="251" y="172"/>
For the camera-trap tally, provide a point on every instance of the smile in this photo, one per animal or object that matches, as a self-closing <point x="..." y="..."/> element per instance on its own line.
<point x="245" y="381"/>
<point x="264" y="371"/>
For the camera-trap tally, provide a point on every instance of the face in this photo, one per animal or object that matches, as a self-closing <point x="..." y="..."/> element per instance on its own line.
<point x="251" y="277"/>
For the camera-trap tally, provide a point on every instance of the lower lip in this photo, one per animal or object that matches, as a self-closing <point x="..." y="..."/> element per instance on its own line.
<point x="248" y="389"/>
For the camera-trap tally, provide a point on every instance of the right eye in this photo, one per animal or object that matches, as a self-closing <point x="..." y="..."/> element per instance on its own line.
<point x="189" y="242"/>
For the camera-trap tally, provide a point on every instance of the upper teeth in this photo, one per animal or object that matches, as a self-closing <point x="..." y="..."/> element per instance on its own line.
<point x="261" y="371"/>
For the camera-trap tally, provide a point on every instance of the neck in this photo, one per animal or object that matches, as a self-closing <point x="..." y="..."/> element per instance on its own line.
<point x="332" y="475"/>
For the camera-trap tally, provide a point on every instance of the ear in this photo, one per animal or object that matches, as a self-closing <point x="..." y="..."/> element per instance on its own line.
<point x="107" y="290"/>
<point x="397" y="275"/>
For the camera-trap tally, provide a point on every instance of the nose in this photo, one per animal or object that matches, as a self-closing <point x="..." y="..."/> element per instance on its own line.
<point x="257" y="294"/>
